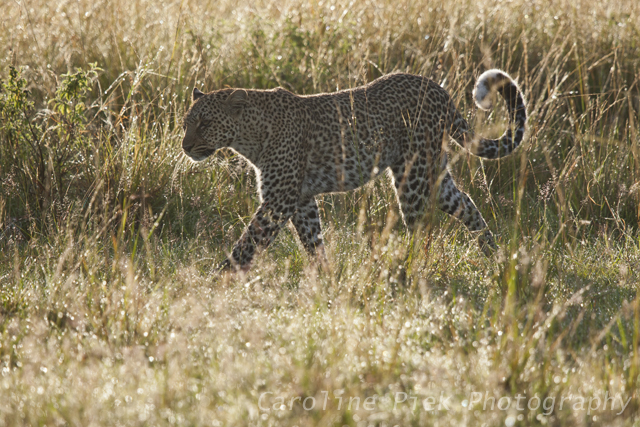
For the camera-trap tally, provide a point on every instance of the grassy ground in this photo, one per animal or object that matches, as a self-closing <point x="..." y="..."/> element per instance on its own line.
<point x="111" y="312"/>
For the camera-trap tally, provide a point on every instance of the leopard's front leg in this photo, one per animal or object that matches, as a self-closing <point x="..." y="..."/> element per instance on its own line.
<point x="306" y="221"/>
<point x="261" y="231"/>
<point x="279" y="190"/>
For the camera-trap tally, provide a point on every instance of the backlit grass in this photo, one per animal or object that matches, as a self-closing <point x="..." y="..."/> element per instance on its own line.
<point x="111" y="312"/>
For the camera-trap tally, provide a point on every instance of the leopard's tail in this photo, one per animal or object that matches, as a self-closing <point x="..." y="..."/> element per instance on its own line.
<point x="488" y="83"/>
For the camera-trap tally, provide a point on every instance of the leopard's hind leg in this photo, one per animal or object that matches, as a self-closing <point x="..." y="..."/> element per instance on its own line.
<point x="413" y="182"/>
<point x="458" y="204"/>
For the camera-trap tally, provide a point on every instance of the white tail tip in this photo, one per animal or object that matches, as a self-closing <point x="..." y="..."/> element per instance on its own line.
<point x="485" y="89"/>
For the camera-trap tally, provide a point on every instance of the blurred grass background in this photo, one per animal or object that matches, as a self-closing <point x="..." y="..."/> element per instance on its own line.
<point x="111" y="312"/>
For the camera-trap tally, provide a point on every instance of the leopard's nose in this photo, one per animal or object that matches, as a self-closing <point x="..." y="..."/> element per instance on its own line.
<point x="187" y="145"/>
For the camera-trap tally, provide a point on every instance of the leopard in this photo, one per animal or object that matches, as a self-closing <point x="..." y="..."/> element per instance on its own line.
<point x="304" y="146"/>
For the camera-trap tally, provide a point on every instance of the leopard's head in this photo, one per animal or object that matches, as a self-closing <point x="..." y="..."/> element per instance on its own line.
<point x="212" y="122"/>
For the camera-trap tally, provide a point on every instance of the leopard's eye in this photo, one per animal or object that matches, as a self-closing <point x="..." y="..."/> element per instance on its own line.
<point x="203" y="124"/>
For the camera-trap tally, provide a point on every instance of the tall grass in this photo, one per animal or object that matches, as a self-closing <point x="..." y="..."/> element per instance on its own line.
<point x="111" y="312"/>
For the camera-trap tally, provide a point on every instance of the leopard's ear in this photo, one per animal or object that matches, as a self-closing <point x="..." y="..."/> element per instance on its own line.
<point x="236" y="102"/>
<point x="196" y="94"/>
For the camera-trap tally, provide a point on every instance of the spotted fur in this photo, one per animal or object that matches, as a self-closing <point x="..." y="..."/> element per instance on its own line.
<point x="303" y="146"/>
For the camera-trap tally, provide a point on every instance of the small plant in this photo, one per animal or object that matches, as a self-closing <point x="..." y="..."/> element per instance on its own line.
<point x="42" y="151"/>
